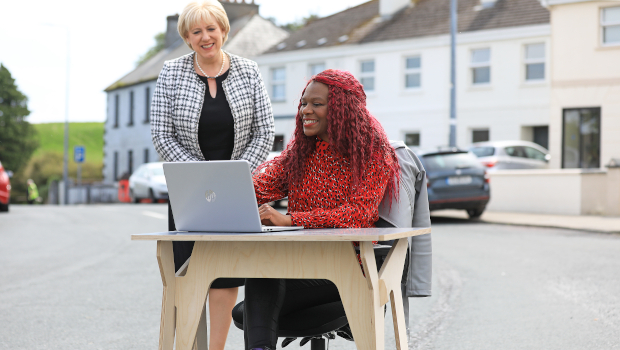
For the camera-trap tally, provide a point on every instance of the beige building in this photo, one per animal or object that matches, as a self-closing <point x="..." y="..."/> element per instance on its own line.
<point x="584" y="124"/>
<point x="585" y="83"/>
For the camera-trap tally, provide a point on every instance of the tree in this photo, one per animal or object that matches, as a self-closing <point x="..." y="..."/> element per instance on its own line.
<point x="18" y="138"/>
<point x="160" y="42"/>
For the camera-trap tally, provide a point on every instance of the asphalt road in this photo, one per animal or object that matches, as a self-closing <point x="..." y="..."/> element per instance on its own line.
<point x="71" y="278"/>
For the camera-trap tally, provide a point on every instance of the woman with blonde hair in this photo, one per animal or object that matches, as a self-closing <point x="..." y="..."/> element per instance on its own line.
<point x="210" y="105"/>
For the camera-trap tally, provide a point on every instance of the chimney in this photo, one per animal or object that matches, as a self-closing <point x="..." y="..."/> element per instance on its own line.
<point x="236" y="10"/>
<point x="387" y="8"/>
<point x="172" y="34"/>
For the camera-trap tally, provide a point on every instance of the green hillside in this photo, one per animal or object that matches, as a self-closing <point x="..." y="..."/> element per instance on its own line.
<point x="89" y="135"/>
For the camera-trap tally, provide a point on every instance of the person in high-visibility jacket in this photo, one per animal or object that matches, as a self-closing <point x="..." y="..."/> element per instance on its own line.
<point x="33" y="192"/>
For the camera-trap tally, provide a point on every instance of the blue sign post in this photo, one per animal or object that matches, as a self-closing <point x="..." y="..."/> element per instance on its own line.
<point x="79" y="153"/>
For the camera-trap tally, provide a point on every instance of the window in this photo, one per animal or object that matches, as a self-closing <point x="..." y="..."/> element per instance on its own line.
<point x="316" y="68"/>
<point x="480" y="135"/>
<point x="516" y="151"/>
<point x="581" y="138"/>
<point x="412" y="139"/>
<point x="367" y="76"/>
<point x="533" y="153"/>
<point x="481" y="66"/>
<point x="541" y="135"/>
<point x="147" y="108"/>
<point x="116" y="111"/>
<point x="278" y="143"/>
<point x="146" y="155"/>
<point x="412" y="72"/>
<point x="610" y="25"/>
<point x="130" y="109"/>
<point x="115" y="166"/>
<point x="535" y="62"/>
<point x="278" y="84"/>
<point x="129" y="162"/>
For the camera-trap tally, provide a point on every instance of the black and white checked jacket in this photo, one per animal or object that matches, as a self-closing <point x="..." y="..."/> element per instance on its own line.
<point x="177" y="103"/>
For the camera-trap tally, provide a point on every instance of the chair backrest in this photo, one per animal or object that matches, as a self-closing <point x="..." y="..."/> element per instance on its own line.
<point x="411" y="209"/>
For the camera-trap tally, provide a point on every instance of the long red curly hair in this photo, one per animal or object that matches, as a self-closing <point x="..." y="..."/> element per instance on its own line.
<point x="353" y="133"/>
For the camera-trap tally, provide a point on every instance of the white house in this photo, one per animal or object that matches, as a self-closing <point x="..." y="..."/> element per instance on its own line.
<point x="127" y="139"/>
<point x="400" y="51"/>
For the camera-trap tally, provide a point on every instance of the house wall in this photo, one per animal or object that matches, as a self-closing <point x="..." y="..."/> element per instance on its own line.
<point x="504" y="107"/>
<point x="553" y="191"/>
<point x="123" y="138"/>
<point x="585" y="73"/>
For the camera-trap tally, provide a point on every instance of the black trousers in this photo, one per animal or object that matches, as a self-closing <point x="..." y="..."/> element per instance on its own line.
<point x="266" y="300"/>
<point x="183" y="250"/>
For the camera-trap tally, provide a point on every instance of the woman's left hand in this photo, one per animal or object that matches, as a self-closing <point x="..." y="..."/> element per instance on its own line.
<point x="272" y="217"/>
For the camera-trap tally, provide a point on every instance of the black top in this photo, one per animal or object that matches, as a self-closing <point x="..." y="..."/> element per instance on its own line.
<point x="216" y="129"/>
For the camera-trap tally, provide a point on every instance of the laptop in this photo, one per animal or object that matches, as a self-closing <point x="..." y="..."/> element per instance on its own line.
<point x="215" y="196"/>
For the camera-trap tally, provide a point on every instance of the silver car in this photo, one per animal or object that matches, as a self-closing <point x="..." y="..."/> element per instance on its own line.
<point x="148" y="182"/>
<point x="497" y="155"/>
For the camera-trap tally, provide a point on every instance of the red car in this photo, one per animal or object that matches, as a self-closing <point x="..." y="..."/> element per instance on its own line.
<point x="5" y="189"/>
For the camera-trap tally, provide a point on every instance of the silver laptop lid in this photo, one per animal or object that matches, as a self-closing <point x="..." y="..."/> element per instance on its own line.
<point x="214" y="196"/>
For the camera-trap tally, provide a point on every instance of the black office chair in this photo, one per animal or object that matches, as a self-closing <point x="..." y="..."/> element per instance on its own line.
<point x="319" y="323"/>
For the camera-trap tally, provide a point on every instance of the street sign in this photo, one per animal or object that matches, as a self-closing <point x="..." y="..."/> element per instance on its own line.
<point x="78" y="154"/>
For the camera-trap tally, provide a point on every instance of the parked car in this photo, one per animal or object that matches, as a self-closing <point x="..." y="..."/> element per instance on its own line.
<point x="148" y="181"/>
<point x="5" y="188"/>
<point x="456" y="180"/>
<point x="511" y="155"/>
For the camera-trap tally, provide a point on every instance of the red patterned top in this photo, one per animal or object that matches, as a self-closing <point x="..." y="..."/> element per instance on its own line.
<point x="322" y="200"/>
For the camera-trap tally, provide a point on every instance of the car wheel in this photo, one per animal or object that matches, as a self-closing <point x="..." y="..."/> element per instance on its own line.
<point x="133" y="197"/>
<point x="475" y="213"/>
<point x="4" y="207"/>
<point x="152" y="196"/>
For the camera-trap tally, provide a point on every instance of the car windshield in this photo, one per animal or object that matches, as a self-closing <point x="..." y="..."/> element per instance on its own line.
<point x="483" y="151"/>
<point x="435" y="162"/>
<point x="157" y="172"/>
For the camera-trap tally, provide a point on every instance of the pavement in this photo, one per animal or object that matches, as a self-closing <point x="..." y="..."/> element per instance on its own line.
<point x="603" y="224"/>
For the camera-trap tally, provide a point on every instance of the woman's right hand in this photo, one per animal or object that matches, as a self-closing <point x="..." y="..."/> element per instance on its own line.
<point x="272" y="217"/>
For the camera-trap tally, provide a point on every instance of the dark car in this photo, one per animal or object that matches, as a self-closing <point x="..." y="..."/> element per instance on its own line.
<point x="456" y="180"/>
<point x="5" y="189"/>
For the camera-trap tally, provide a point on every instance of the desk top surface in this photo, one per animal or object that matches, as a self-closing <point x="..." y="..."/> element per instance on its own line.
<point x="316" y="235"/>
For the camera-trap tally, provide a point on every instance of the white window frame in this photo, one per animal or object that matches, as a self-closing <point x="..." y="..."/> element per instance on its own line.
<point x="408" y="71"/>
<point x="408" y="132"/>
<point x="607" y="24"/>
<point x="369" y="74"/>
<point x="527" y="61"/>
<point x="275" y="83"/>
<point x="474" y="65"/>
<point x="311" y="67"/>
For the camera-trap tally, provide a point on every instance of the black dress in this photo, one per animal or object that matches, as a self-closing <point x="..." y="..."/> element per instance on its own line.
<point x="216" y="137"/>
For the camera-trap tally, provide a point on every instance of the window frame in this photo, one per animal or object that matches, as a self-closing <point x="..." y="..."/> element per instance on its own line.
<point x="407" y="71"/>
<point x="527" y="61"/>
<point x="603" y="25"/>
<point x="314" y="64"/>
<point x="599" y="111"/>
<point x="117" y="103"/>
<point x="475" y="65"/>
<point x="412" y="132"/>
<point x="363" y="74"/>
<point x="275" y="83"/>
<point x="147" y="99"/>
<point x="488" y="131"/>
<point x="132" y="99"/>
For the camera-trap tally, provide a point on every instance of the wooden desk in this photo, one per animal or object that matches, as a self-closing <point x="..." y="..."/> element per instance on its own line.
<point x="313" y="254"/>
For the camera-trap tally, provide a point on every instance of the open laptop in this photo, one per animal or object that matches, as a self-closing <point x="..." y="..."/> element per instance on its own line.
<point x="214" y="196"/>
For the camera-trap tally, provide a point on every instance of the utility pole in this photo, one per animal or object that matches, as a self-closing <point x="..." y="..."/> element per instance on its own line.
<point x="453" y="29"/>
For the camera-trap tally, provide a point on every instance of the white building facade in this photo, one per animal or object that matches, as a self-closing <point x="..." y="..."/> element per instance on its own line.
<point x="503" y="89"/>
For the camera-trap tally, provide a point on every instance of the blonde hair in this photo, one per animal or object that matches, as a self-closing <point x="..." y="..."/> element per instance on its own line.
<point x="202" y="11"/>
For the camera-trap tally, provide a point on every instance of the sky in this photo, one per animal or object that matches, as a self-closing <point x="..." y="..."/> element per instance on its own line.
<point x="105" y="41"/>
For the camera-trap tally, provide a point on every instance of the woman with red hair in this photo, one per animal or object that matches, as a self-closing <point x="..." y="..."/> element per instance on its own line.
<point x="335" y="172"/>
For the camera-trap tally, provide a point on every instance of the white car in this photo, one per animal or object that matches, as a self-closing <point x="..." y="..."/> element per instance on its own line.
<point x="148" y="181"/>
<point x="511" y="155"/>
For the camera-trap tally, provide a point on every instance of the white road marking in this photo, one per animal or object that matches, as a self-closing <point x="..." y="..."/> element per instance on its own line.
<point x="155" y="215"/>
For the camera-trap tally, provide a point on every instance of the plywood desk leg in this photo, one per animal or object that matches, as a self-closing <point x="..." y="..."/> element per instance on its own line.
<point x="362" y="305"/>
<point x="391" y="272"/>
<point x="165" y="259"/>
<point x="202" y="340"/>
